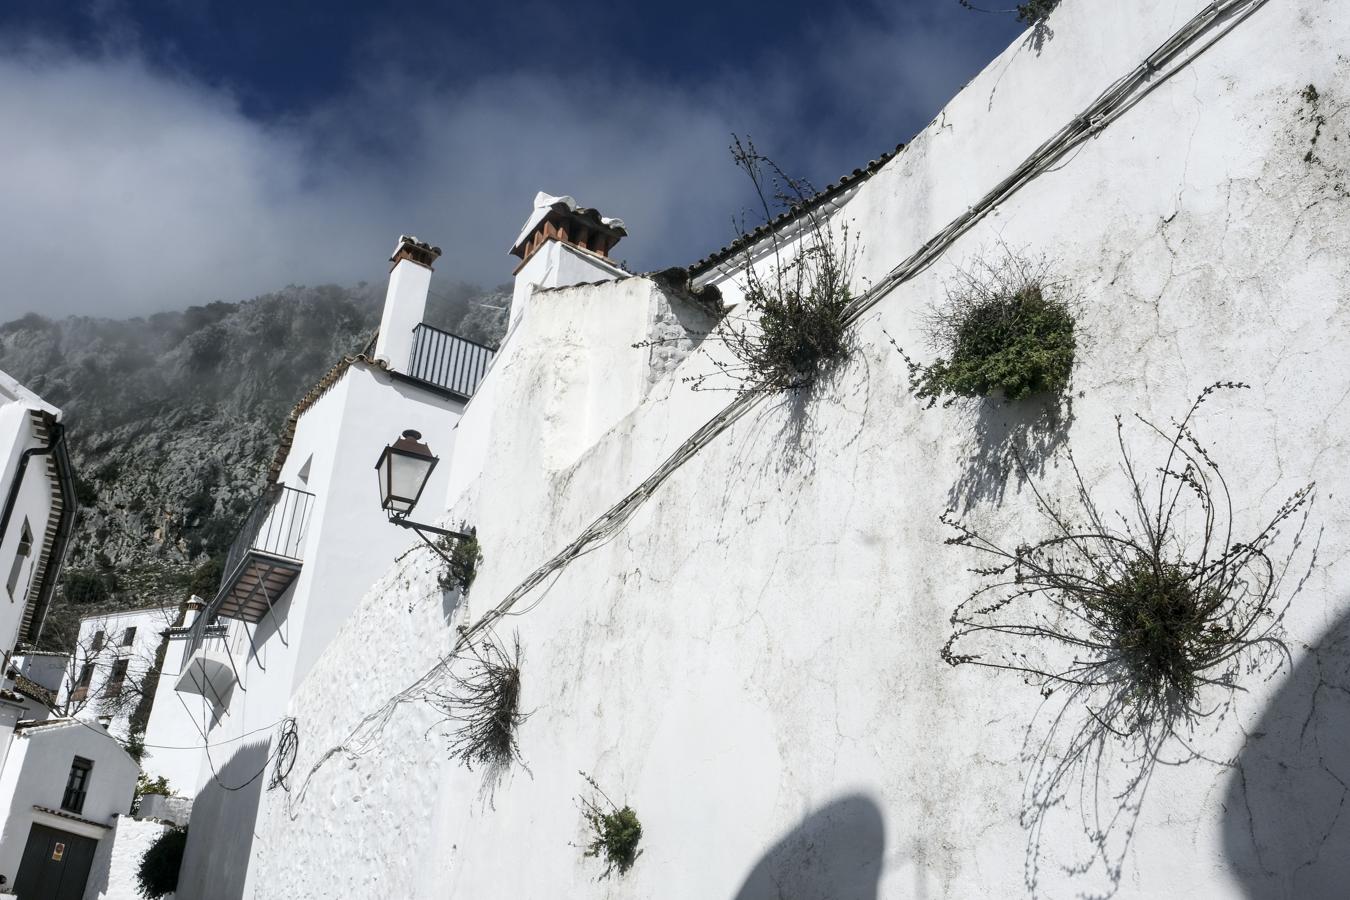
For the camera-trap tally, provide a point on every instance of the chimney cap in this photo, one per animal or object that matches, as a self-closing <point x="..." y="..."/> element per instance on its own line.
<point x="548" y="207"/>
<point x="414" y="250"/>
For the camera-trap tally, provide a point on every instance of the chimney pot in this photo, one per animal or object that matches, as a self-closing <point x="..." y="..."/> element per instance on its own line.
<point x="561" y="219"/>
<point x="413" y="250"/>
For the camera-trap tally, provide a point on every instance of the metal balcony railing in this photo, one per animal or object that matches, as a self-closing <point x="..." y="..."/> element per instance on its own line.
<point x="448" y="360"/>
<point x="266" y="556"/>
<point x="276" y="525"/>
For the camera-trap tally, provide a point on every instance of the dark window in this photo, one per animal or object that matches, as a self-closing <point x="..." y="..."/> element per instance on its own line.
<point x="20" y="557"/>
<point x="99" y="638"/>
<point x="128" y="636"/>
<point x="77" y="785"/>
<point x="119" y="674"/>
<point x="81" y="689"/>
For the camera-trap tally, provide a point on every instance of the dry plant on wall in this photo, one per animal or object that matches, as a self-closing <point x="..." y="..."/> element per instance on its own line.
<point x="1005" y="329"/>
<point x="793" y="327"/>
<point x="1148" y="613"/>
<point x="615" y="832"/>
<point x="1143" y="620"/>
<point x="484" y="698"/>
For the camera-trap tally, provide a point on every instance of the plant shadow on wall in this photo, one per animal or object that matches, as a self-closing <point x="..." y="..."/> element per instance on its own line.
<point x="1286" y="826"/>
<point x="1005" y="339"/>
<point x="835" y="853"/>
<point x="1138" y="625"/>
<point x="483" y="699"/>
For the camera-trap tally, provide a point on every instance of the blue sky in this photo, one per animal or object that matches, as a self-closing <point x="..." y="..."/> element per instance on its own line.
<point x="193" y="151"/>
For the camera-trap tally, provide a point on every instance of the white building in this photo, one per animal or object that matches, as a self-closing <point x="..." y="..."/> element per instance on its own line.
<point x="732" y="612"/>
<point x="38" y="676"/>
<point x="39" y="510"/>
<point x="315" y="542"/>
<point x="63" y="781"/>
<point x="111" y="672"/>
<point x="63" y="785"/>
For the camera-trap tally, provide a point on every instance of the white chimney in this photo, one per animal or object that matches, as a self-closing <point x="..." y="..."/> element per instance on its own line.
<point x="563" y="244"/>
<point x="192" y="609"/>
<point x="406" y="302"/>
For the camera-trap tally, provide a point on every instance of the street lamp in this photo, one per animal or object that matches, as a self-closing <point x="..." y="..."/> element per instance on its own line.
<point x="404" y="467"/>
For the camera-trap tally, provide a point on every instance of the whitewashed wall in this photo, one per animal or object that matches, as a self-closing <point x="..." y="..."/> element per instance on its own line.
<point x="113" y="876"/>
<point x="348" y="542"/>
<point x="753" y="661"/>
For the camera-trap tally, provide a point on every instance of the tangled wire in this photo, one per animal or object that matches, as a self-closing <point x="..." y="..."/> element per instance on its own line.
<point x="288" y="744"/>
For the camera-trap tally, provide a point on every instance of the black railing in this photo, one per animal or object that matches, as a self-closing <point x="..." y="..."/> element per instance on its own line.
<point x="275" y="526"/>
<point x="448" y="360"/>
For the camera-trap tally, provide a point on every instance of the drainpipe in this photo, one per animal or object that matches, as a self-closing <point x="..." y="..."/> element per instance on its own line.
<point x="56" y="445"/>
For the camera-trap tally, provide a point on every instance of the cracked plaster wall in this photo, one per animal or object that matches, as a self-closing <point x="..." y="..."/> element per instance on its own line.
<point x="758" y="648"/>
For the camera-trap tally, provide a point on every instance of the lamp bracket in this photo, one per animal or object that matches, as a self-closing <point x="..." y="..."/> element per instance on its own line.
<point x="405" y="522"/>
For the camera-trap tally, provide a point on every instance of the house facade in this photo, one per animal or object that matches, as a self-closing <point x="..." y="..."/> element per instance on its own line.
<point x="63" y="780"/>
<point x="64" y="783"/>
<point x="316" y="540"/>
<point x="111" y="674"/>
<point x="732" y="610"/>
<point x="39" y="509"/>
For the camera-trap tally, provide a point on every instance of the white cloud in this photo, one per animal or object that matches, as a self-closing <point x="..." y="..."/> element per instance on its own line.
<point x="127" y="189"/>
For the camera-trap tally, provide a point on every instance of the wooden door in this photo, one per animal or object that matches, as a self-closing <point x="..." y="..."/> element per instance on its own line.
<point x="55" y="865"/>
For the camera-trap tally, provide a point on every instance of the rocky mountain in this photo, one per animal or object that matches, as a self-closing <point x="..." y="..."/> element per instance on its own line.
<point x="172" y="419"/>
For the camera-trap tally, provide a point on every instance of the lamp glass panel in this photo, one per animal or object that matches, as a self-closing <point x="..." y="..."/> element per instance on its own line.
<point x="407" y="475"/>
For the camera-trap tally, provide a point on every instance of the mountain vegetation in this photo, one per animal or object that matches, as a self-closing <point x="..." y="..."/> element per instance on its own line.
<point x="173" y="418"/>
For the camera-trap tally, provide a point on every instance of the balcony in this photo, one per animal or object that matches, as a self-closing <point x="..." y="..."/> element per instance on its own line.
<point x="266" y="556"/>
<point x="208" y="673"/>
<point x="448" y="361"/>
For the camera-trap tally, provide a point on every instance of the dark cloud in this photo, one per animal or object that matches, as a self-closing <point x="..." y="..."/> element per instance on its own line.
<point x="132" y="186"/>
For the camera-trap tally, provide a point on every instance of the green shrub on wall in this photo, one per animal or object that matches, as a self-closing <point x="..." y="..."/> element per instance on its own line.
<point x="158" y="872"/>
<point x="1003" y="331"/>
<point x="615" y="831"/>
<point x="464" y="557"/>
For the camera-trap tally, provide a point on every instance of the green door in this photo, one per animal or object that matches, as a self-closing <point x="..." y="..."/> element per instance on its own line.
<point x="55" y="865"/>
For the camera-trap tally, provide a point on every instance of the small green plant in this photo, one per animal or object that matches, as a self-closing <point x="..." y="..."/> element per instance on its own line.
<point x="464" y="555"/>
<point x="135" y="747"/>
<point x="615" y="832"/>
<point x="158" y="872"/>
<point x="486" y="701"/>
<point x="1002" y="331"/>
<point x="145" y="786"/>
<point x="1035" y="12"/>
